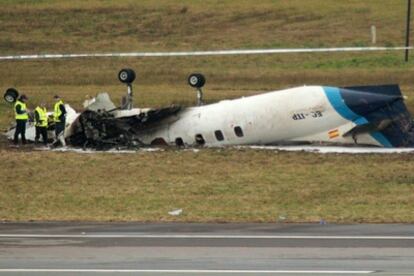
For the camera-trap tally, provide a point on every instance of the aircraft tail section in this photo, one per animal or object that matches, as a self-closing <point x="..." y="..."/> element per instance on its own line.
<point x="379" y="104"/>
<point x="377" y="110"/>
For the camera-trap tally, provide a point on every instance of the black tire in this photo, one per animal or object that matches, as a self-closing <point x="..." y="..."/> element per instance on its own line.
<point x="126" y="76"/>
<point x="11" y="95"/>
<point x="196" y="80"/>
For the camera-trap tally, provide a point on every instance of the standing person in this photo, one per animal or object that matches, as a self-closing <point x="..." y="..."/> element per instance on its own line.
<point x="59" y="116"/>
<point x="41" y="123"/>
<point x="20" y="112"/>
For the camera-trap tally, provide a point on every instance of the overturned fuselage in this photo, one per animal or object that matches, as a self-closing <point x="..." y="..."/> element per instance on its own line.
<point x="371" y="115"/>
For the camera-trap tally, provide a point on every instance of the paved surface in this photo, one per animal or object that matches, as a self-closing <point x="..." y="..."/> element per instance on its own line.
<point x="205" y="249"/>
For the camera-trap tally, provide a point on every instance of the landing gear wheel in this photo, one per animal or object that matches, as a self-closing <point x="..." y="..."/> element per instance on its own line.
<point x="11" y="95"/>
<point x="196" y="80"/>
<point x="126" y="75"/>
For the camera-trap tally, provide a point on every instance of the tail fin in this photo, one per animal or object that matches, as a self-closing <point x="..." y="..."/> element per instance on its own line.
<point x="366" y="101"/>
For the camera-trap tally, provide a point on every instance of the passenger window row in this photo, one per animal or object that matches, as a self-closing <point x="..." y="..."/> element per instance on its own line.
<point x="199" y="139"/>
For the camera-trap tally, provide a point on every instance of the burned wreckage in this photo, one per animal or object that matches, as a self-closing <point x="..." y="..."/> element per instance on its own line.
<point x="351" y="116"/>
<point x="104" y="126"/>
<point x="102" y="129"/>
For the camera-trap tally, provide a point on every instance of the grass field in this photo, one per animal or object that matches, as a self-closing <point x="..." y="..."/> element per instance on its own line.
<point x="213" y="184"/>
<point x="210" y="185"/>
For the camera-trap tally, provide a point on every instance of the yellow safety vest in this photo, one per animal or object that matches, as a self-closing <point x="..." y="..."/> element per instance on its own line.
<point x="57" y="112"/>
<point x="23" y="116"/>
<point x="42" y="117"/>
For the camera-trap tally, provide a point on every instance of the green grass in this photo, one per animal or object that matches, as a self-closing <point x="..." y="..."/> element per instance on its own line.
<point x="210" y="185"/>
<point x="213" y="184"/>
<point x="131" y="25"/>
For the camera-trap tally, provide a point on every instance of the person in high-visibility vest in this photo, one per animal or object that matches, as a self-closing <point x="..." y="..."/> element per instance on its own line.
<point x="59" y="116"/>
<point x="21" y="116"/>
<point x="41" y="123"/>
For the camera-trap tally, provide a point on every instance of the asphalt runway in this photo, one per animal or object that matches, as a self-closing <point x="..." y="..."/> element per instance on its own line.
<point x="205" y="249"/>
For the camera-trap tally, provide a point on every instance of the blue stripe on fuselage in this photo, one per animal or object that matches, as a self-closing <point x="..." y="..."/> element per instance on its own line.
<point x="334" y="96"/>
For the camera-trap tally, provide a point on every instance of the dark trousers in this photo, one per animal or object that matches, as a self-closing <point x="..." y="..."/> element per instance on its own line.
<point x="59" y="128"/>
<point x="41" y="131"/>
<point x="20" y="129"/>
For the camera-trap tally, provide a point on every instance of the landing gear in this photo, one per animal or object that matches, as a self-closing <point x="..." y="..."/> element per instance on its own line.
<point x="11" y="95"/>
<point x="127" y="76"/>
<point x="197" y="81"/>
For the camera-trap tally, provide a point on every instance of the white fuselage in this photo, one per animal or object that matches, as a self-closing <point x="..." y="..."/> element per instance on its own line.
<point x="302" y="114"/>
<point x="308" y="114"/>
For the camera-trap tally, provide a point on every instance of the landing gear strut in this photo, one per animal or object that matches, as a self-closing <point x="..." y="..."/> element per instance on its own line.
<point x="127" y="76"/>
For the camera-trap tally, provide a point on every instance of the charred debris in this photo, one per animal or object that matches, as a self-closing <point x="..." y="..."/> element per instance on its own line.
<point x="102" y="126"/>
<point x="102" y="130"/>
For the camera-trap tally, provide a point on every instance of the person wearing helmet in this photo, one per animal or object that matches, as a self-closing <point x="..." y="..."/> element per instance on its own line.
<point x="21" y="116"/>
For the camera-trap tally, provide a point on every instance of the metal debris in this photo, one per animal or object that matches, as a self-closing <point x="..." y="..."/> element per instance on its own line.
<point x="175" y="212"/>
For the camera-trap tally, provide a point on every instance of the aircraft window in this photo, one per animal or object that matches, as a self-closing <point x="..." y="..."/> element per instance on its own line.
<point x="179" y="142"/>
<point x="238" y="131"/>
<point x="199" y="139"/>
<point x="219" y="135"/>
<point x="159" y="142"/>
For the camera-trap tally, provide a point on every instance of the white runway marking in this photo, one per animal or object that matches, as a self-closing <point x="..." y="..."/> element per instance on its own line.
<point x="204" y="53"/>
<point x="184" y="236"/>
<point x="170" y="271"/>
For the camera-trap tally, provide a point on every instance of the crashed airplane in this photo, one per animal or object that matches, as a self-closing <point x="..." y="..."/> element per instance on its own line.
<point x="361" y="116"/>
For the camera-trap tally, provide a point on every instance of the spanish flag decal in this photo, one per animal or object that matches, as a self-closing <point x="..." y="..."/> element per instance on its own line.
<point x="333" y="133"/>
